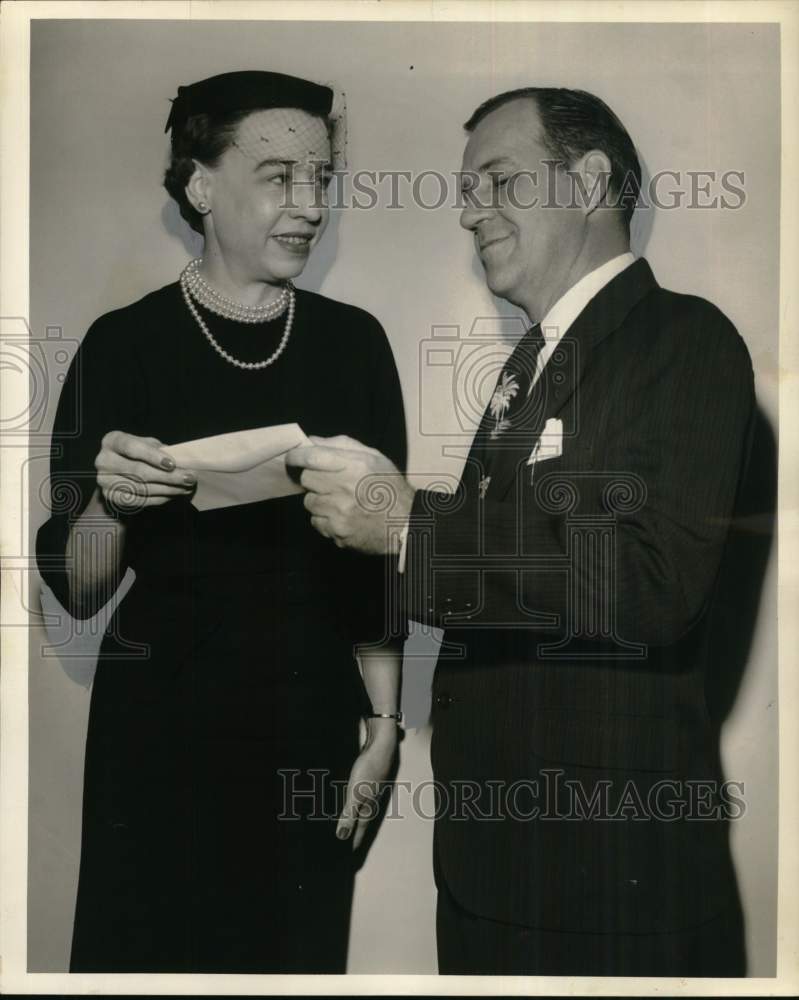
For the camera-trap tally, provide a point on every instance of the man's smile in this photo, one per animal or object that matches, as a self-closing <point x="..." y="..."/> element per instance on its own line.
<point x="492" y="242"/>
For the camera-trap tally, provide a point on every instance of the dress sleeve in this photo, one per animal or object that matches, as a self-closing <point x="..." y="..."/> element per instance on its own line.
<point x="375" y="611"/>
<point x="96" y="397"/>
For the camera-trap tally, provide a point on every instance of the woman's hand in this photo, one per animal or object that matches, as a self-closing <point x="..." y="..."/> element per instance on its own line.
<point x="133" y="472"/>
<point x="370" y="770"/>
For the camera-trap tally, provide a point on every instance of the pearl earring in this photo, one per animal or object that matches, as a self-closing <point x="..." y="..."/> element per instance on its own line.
<point x="202" y="207"/>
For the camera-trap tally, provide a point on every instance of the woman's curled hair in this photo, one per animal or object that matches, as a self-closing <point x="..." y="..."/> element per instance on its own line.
<point x="205" y="138"/>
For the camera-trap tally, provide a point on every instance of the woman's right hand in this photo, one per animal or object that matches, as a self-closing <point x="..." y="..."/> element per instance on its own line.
<point x="133" y="472"/>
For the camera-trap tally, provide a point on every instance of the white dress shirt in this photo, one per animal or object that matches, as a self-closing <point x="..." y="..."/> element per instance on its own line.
<point x="556" y="323"/>
<point x="565" y="311"/>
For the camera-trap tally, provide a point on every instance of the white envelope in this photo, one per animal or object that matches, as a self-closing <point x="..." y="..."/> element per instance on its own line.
<point x="550" y="444"/>
<point x="242" y="467"/>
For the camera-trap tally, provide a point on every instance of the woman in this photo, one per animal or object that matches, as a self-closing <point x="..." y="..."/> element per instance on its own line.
<point x="226" y="705"/>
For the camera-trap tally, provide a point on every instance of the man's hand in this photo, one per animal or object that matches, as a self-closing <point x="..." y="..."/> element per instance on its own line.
<point x="355" y="494"/>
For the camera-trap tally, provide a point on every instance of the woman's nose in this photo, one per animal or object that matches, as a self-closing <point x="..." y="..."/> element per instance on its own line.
<point x="307" y="201"/>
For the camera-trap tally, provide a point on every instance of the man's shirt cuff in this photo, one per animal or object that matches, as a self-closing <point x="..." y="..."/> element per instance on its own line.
<point x="403" y="547"/>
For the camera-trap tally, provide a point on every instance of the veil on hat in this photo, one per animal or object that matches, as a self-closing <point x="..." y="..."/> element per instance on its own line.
<point x="254" y="90"/>
<point x="338" y="138"/>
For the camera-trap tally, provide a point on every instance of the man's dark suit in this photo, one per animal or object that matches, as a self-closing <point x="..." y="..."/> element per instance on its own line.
<point x="621" y="538"/>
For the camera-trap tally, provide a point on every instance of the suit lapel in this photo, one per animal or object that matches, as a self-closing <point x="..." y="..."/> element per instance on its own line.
<point x="557" y="386"/>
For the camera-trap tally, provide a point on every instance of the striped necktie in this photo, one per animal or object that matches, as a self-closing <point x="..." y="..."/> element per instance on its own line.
<point x="513" y="409"/>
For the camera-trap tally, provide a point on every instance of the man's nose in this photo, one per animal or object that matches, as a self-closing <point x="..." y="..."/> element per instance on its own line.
<point x="472" y="214"/>
<point x="476" y="206"/>
<point x="476" y="198"/>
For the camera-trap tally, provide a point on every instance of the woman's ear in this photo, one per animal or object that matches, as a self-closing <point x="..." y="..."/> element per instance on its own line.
<point x="198" y="189"/>
<point x="592" y="172"/>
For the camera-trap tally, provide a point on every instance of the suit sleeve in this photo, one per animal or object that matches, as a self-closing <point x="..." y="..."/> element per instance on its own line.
<point x="679" y="434"/>
<point x="96" y="397"/>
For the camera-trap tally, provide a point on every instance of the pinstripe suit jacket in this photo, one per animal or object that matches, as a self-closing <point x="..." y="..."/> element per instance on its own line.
<point x="574" y="754"/>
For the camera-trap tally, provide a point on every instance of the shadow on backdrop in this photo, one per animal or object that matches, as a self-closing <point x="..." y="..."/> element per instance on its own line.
<point x="732" y="623"/>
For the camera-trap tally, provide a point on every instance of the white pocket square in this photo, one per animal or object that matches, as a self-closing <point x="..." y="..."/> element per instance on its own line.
<point x="550" y="444"/>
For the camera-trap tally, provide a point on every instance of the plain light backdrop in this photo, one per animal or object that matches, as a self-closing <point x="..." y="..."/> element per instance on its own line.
<point x="103" y="233"/>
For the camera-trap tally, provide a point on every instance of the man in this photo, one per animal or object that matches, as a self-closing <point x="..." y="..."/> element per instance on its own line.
<point x="582" y="828"/>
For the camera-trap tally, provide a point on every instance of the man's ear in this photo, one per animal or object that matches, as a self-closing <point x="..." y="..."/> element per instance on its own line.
<point x="199" y="189"/>
<point x="592" y="174"/>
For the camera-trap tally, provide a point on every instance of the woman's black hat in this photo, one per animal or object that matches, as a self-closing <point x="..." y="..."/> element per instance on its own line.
<point x="247" y="90"/>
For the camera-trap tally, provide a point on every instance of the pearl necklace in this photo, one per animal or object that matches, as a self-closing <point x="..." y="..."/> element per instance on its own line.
<point x="247" y="365"/>
<point x="218" y="303"/>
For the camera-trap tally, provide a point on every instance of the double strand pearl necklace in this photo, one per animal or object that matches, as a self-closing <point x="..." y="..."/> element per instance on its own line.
<point x="188" y="289"/>
<point x="218" y="303"/>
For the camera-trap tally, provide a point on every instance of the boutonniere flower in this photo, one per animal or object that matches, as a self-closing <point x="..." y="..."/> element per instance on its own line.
<point x="505" y="392"/>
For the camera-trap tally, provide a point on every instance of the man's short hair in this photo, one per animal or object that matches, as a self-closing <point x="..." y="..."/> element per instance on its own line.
<point x="574" y="122"/>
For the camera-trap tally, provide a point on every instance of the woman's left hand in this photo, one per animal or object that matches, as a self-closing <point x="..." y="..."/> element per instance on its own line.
<point x="369" y="772"/>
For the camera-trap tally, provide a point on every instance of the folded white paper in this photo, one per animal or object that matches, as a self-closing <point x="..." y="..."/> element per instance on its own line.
<point x="242" y="467"/>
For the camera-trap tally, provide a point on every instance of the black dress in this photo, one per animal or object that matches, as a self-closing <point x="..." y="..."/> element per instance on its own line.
<point x="225" y="707"/>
